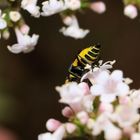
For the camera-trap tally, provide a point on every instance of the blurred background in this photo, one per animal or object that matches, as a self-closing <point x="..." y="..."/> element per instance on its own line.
<point x="27" y="81"/>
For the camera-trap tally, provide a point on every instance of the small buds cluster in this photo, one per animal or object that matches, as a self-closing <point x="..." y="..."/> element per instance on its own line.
<point x="108" y="108"/>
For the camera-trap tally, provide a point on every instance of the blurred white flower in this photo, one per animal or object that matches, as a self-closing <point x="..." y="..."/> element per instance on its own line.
<point x="3" y="23"/>
<point x="126" y="115"/>
<point x="73" y="4"/>
<point x="52" y="7"/>
<point x="31" y="7"/>
<point x="15" y="16"/>
<point x="57" y="135"/>
<point x="73" y="30"/>
<point x="98" y="7"/>
<point x="25" y="42"/>
<point x="130" y="11"/>
<point x="108" y="86"/>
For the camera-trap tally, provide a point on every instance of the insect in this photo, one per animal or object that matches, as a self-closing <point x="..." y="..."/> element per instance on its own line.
<point x="87" y="56"/>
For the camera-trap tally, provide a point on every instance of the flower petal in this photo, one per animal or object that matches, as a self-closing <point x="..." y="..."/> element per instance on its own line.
<point x="108" y="98"/>
<point x="96" y="90"/>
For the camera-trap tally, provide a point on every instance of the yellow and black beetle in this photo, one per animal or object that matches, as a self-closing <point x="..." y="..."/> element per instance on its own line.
<point x="87" y="56"/>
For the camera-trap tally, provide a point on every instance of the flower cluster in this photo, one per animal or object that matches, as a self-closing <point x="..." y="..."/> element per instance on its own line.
<point x="11" y="17"/>
<point x="107" y="109"/>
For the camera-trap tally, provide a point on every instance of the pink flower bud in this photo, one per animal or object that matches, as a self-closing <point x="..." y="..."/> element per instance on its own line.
<point x="52" y="124"/>
<point x="85" y="87"/>
<point x="67" y="112"/>
<point x="83" y="117"/>
<point x="98" y="7"/>
<point x="70" y="128"/>
<point x="25" y="29"/>
<point x="67" y="20"/>
<point x="130" y="11"/>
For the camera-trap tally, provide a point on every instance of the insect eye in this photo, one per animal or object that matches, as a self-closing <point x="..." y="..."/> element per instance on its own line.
<point x="98" y="45"/>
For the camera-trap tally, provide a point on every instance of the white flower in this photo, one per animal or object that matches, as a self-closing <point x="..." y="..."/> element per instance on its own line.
<point x="93" y="73"/>
<point x="103" y="123"/>
<point x="70" y="92"/>
<point x="14" y="16"/>
<point x="52" y="7"/>
<point x="100" y="123"/>
<point x="130" y="11"/>
<point x="108" y="86"/>
<point x="98" y="7"/>
<point x="126" y="115"/>
<point x="3" y="23"/>
<point x="31" y="7"/>
<point x="57" y="135"/>
<point x="115" y="134"/>
<point x="25" y="42"/>
<point x="73" y="4"/>
<point x="73" y="30"/>
<point x="75" y="96"/>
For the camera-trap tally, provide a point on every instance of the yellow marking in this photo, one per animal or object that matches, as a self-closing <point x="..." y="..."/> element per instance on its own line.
<point x="81" y="60"/>
<point x="85" y="51"/>
<point x="75" y="63"/>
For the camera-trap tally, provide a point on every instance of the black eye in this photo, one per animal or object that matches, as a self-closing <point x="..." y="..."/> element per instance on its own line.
<point x="98" y="45"/>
